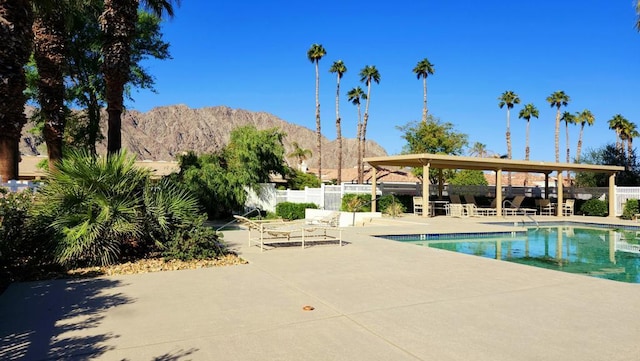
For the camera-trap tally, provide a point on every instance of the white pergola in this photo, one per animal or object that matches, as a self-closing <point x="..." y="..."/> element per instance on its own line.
<point x="440" y="162"/>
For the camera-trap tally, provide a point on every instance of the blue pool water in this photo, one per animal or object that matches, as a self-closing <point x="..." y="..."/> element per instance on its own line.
<point x="604" y="253"/>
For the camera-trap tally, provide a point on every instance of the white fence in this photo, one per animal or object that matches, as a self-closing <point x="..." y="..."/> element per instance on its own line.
<point x="19" y="185"/>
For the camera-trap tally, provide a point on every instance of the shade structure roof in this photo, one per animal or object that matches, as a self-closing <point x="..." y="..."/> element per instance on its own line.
<point x="442" y="161"/>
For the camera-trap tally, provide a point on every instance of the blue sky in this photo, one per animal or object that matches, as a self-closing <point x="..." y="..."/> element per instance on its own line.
<point x="252" y="55"/>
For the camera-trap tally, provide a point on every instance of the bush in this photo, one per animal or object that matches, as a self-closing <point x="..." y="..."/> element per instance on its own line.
<point x="292" y="211"/>
<point x="594" y="207"/>
<point x="352" y="202"/>
<point x="391" y="205"/>
<point x="630" y="209"/>
<point x="197" y="243"/>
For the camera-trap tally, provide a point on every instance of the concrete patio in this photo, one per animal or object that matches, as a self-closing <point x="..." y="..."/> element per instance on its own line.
<point x="374" y="299"/>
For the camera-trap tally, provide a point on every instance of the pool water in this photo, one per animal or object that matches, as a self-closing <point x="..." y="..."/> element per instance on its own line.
<point x="603" y="253"/>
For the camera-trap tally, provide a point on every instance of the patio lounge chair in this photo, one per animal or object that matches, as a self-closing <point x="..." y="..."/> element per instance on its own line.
<point x="545" y="207"/>
<point x="272" y="232"/>
<point x="417" y="205"/>
<point x="515" y="207"/>
<point x="455" y="210"/>
<point x="455" y="199"/>
<point x="567" y="207"/>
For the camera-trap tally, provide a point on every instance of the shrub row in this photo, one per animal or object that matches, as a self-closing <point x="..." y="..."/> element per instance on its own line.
<point x="292" y="211"/>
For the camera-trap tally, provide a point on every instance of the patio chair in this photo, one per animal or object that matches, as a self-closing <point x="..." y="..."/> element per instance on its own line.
<point x="488" y="211"/>
<point x="470" y="199"/>
<point x="456" y="210"/>
<point x="331" y="220"/>
<point x="567" y="207"/>
<point x="545" y="207"/>
<point x="471" y="210"/>
<point x="515" y="207"/>
<point x="417" y="205"/>
<point x="455" y="199"/>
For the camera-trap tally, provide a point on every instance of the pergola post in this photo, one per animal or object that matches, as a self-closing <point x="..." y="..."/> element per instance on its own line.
<point x="426" y="212"/>
<point x="560" y="194"/>
<point x="374" y="191"/>
<point x="612" y="195"/>
<point x="499" y="191"/>
<point x="440" y="183"/>
<point x="546" y="185"/>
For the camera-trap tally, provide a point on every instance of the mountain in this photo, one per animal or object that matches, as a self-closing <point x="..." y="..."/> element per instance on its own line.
<point x="164" y="132"/>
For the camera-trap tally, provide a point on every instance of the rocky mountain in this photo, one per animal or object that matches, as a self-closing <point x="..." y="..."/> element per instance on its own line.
<point x="164" y="132"/>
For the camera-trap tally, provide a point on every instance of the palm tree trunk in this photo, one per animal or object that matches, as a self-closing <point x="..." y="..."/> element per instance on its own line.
<point x="508" y="135"/>
<point x="579" y="148"/>
<point x="566" y="128"/>
<point x="557" y="135"/>
<point x="629" y="149"/>
<point x="338" y="130"/>
<point x="118" y="22"/>
<point x="50" y="55"/>
<point x="526" y="153"/>
<point x="318" y="131"/>
<point x="359" y="135"/>
<point x="16" y="38"/>
<point x="424" y="108"/>
<point x="364" y="131"/>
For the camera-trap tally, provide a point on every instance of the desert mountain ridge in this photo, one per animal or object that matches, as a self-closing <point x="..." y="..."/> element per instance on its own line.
<point x="164" y="132"/>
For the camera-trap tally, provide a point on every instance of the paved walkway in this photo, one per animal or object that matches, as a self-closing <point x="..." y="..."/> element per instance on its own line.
<point x="374" y="299"/>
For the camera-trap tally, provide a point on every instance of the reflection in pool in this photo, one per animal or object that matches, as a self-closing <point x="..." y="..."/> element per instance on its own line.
<point x="603" y="253"/>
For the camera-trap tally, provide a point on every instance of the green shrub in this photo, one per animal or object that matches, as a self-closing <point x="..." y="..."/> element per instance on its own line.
<point x="391" y="205"/>
<point x="594" y="207"/>
<point x="630" y="209"/>
<point x="290" y="210"/>
<point x="352" y="202"/>
<point x="197" y="243"/>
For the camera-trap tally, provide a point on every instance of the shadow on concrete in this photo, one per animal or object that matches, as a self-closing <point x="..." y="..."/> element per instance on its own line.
<point x="52" y="320"/>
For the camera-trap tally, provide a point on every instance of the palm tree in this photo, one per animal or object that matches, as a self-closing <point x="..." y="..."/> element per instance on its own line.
<point x="118" y="24"/>
<point x="558" y="99"/>
<point x="16" y="36"/>
<point x="617" y="124"/>
<point x="509" y="99"/>
<point x="339" y="68"/>
<point x="314" y="54"/>
<point x="479" y="150"/>
<point x="423" y="69"/>
<point x="638" y="18"/>
<point x="300" y="153"/>
<point x="367" y="75"/>
<point x="568" y="118"/>
<point x="527" y="112"/>
<point x="50" y="54"/>
<point x="628" y="131"/>
<point x="585" y="117"/>
<point x="354" y="96"/>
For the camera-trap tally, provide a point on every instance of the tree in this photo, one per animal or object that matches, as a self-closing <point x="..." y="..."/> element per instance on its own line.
<point x="314" y="54"/>
<point x="422" y="70"/>
<point x="367" y="75"/>
<point x="300" y="153"/>
<point x="568" y="118"/>
<point x="526" y="113"/>
<point x="469" y="177"/>
<point x="50" y="54"/>
<point x="558" y="99"/>
<point x="610" y="154"/>
<point x="339" y="68"/>
<point x="585" y="117"/>
<point x="432" y="136"/>
<point x="118" y="24"/>
<point x="355" y="95"/>
<point x="627" y="133"/>
<point x="638" y="12"/>
<point x="220" y="179"/>
<point x="508" y="99"/>
<point x="617" y="124"/>
<point x="16" y="18"/>
<point x="479" y="150"/>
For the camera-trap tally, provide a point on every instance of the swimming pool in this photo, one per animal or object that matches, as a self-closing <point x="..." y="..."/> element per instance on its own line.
<point x="604" y="253"/>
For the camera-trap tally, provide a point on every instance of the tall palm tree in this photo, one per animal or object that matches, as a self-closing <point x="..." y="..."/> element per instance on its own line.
<point x="118" y="24"/>
<point x="16" y="36"/>
<point x="526" y="113"/>
<point x="300" y="153"/>
<point x="558" y="99"/>
<point x="628" y="131"/>
<point x="368" y="74"/>
<point x="585" y="117"/>
<point x="314" y="54"/>
<point x="638" y="18"/>
<point x="50" y="53"/>
<point x="339" y="68"/>
<point x="568" y="118"/>
<point x="617" y="124"/>
<point x="423" y="69"/>
<point x="508" y="99"/>
<point x="355" y="96"/>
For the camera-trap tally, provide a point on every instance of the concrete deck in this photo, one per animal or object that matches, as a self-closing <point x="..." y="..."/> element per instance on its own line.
<point x="374" y="299"/>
